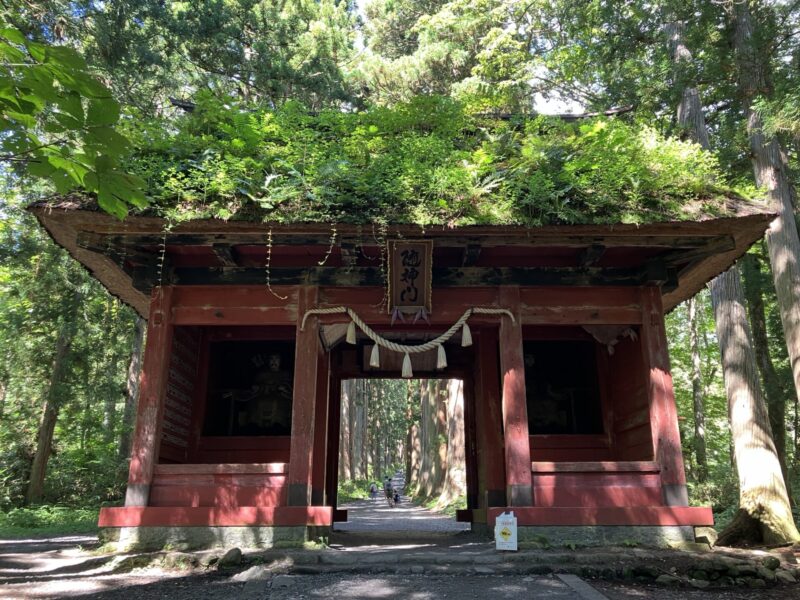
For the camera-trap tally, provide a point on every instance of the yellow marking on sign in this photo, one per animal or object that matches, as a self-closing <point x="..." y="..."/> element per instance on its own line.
<point x="505" y="533"/>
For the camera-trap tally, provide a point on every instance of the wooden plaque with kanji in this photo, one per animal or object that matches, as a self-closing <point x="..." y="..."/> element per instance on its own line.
<point x="410" y="264"/>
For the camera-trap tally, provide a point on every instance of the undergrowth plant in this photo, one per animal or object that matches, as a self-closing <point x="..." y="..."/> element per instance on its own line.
<point x="427" y="161"/>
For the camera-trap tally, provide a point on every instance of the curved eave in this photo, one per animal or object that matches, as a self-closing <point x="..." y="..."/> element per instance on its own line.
<point x="64" y="224"/>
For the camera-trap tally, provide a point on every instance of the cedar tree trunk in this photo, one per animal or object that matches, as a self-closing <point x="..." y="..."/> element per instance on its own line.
<point x="772" y="176"/>
<point x="764" y="512"/>
<point x="47" y="425"/>
<point x="776" y="401"/>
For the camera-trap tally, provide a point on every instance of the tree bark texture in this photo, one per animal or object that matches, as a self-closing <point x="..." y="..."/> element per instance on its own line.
<point x="455" y="476"/>
<point x="3" y="390"/>
<point x="776" y="401"/>
<point x="434" y="444"/>
<point x="47" y="425"/>
<point x="762" y="491"/>
<point x="690" y="109"/>
<point x="345" y="473"/>
<point x="364" y="428"/>
<point x="357" y="439"/>
<point x="772" y="176"/>
<point x="132" y="389"/>
<point x="697" y="396"/>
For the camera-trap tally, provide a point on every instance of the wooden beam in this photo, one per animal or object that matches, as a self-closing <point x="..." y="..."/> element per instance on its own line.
<point x="667" y="239"/>
<point x="116" y="253"/>
<point x="349" y="255"/>
<point x="717" y="245"/>
<point x="591" y="255"/>
<point x="442" y="276"/>
<point x="471" y="254"/>
<point x="226" y="255"/>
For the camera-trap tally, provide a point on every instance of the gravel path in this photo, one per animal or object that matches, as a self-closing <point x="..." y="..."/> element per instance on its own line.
<point x="378" y="516"/>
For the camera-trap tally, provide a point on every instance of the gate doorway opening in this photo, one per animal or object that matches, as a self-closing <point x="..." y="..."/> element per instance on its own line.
<point x="402" y="461"/>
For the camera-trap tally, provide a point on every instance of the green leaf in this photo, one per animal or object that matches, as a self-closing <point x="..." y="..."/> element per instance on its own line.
<point x="62" y="181"/>
<point x="62" y="55"/>
<point x="40" y="168"/>
<point x="68" y="121"/>
<point x="102" y="111"/>
<point x="39" y="80"/>
<point x="12" y="35"/>
<point x="109" y="202"/>
<point x="37" y="51"/>
<point x="70" y="166"/>
<point x="126" y="187"/>
<point x="106" y="139"/>
<point x="71" y="103"/>
<point x="80" y="82"/>
<point x="90" y="87"/>
<point x="12" y="53"/>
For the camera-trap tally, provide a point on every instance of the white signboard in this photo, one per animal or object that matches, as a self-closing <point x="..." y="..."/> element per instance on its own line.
<point x="505" y="532"/>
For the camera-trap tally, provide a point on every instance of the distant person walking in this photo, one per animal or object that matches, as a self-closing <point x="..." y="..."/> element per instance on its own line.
<point x="398" y="485"/>
<point x="388" y="491"/>
<point x="373" y="491"/>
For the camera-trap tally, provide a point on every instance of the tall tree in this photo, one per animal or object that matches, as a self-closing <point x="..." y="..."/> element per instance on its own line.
<point x="764" y="513"/>
<point x="738" y="361"/>
<point x="771" y="174"/>
<point x="776" y="400"/>
<point x="53" y="398"/>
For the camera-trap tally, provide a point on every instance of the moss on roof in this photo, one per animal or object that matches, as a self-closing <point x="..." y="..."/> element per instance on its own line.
<point x="426" y="162"/>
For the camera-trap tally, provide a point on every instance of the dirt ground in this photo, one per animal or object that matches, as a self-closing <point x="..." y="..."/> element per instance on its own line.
<point x="381" y="553"/>
<point x="159" y="585"/>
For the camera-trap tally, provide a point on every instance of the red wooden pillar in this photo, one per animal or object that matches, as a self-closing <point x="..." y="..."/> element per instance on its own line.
<point x="320" y="431"/>
<point x="306" y="363"/>
<point x="663" y="412"/>
<point x="515" y="410"/>
<point x="489" y="421"/>
<point x="152" y="389"/>
<point x="334" y="430"/>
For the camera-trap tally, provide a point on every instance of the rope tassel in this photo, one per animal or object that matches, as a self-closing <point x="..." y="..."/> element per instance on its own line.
<point x="466" y="336"/>
<point x="375" y="357"/>
<point x="441" y="359"/>
<point x="407" y="373"/>
<point x="351" y="333"/>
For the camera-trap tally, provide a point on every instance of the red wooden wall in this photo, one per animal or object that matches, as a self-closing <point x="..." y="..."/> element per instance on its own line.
<point x="180" y="400"/>
<point x="219" y="485"/>
<point x="629" y="401"/>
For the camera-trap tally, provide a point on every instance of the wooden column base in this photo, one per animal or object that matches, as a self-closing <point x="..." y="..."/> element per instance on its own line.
<point x="519" y="495"/>
<point x="675" y="494"/>
<point x="137" y="494"/>
<point x="298" y="494"/>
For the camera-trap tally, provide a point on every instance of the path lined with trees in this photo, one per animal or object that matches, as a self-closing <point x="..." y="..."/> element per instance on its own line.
<point x="416" y="427"/>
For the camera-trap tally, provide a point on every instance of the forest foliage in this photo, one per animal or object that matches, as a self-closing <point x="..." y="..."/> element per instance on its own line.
<point x="421" y="111"/>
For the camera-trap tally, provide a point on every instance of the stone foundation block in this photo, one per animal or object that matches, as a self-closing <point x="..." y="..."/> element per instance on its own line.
<point x="606" y="535"/>
<point x="197" y="538"/>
